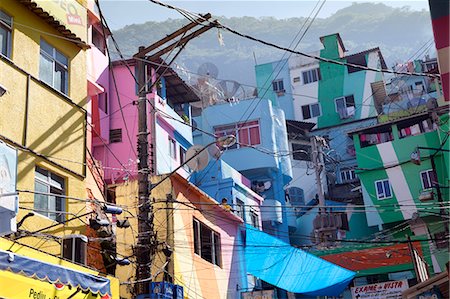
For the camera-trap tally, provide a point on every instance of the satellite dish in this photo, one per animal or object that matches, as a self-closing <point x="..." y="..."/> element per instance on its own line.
<point x="214" y="151"/>
<point x="200" y="160"/>
<point x="230" y="89"/>
<point x="208" y="69"/>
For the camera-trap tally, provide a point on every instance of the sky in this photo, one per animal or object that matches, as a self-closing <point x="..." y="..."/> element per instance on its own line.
<point x="120" y="13"/>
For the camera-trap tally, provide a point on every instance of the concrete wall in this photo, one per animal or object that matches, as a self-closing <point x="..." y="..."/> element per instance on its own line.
<point x="43" y="120"/>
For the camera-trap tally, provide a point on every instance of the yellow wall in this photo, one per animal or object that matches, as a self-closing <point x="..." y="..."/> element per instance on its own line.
<point x="126" y="194"/>
<point x="24" y="283"/>
<point x="55" y="125"/>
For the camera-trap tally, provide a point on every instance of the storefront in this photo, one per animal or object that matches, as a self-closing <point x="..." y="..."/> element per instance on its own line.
<point x="37" y="275"/>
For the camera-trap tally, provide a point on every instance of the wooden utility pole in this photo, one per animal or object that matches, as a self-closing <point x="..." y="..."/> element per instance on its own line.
<point x="146" y="236"/>
<point x="146" y="246"/>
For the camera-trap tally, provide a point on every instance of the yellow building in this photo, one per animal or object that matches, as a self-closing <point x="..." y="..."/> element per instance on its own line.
<point x="43" y="90"/>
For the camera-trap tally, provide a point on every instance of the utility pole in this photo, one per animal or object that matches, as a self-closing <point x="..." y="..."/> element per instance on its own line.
<point x="145" y="219"/>
<point x="318" y="167"/>
<point x="146" y="244"/>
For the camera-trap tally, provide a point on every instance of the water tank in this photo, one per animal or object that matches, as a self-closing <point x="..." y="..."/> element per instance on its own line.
<point x="272" y="210"/>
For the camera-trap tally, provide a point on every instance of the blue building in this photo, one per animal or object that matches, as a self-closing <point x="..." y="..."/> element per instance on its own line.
<point x="260" y="131"/>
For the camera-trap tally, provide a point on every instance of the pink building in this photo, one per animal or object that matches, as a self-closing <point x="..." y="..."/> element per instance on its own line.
<point x="115" y="120"/>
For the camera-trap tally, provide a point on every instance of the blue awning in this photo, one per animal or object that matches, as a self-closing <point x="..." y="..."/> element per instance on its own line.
<point x="290" y="268"/>
<point x="30" y="267"/>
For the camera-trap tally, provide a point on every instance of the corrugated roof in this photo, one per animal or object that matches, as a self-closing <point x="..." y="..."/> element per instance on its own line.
<point x="376" y="49"/>
<point x="52" y="21"/>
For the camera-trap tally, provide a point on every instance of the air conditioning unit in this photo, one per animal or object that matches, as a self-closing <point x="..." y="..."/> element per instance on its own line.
<point x="74" y="248"/>
<point x="426" y="195"/>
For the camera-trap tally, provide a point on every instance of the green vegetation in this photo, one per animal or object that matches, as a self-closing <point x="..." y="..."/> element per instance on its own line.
<point x="399" y="32"/>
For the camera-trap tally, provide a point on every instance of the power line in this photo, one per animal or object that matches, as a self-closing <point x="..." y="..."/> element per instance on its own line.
<point x="326" y="60"/>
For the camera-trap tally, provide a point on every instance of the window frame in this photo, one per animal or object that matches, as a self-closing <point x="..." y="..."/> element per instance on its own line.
<point x="350" y="175"/>
<point x="345" y="102"/>
<point x="55" y="63"/>
<point x="240" y="209"/>
<point x="172" y="147"/>
<point x="216" y="243"/>
<point x="310" y="110"/>
<point x="9" y="31"/>
<point x="254" y="218"/>
<point x="237" y="129"/>
<point x="311" y="76"/>
<point x="383" y="196"/>
<point x="278" y="85"/>
<point x="430" y="175"/>
<point x="53" y="188"/>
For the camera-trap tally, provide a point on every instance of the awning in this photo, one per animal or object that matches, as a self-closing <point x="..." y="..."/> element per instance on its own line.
<point x="292" y="269"/>
<point x="53" y="273"/>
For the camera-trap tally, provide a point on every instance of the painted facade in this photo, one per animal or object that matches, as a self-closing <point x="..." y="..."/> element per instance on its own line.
<point x="390" y="177"/>
<point x="114" y="145"/>
<point x="440" y="20"/>
<point x="43" y="116"/>
<point x="176" y="221"/>
<point x="264" y="130"/>
<point x="324" y="93"/>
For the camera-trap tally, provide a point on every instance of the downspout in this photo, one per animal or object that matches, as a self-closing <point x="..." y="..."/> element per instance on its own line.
<point x="25" y="121"/>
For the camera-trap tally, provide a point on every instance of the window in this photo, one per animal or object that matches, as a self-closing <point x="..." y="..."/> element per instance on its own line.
<point x="301" y="152"/>
<point x="183" y="159"/>
<point x="296" y="195"/>
<point x="115" y="135"/>
<point x="278" y="85"/>
<point x="172" y="148"/>
<point x="357" y="60"/>
<point x="207" y="243"/>
<point x="240" y="211"/>
<point x="311" y="76"/>
<point x="53" y="68"/>
<point x="254" y="218"/>
<point x="296" y="79"/>
<point x="345" y="106"/>
<point x="74" y="248"/>
<point x="348" y="175"/>
<point x="311" y="110"/>
<point x="103" y="102"/>
<point x="98" y="40"/>
<point x="46" y="200"/>
<point x="428" y="179"/>
<point x="246" y="133"/>
<point x="5" y="34"/>
<point x="383" y="189"/>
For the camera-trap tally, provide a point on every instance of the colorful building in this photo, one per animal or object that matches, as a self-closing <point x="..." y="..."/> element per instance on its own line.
<point x="440" y="20"/>
<point x="258" y="134"/>
<point x="115" y="140"/>
<point x="403" y="168"/>
<point x="321" y="92"/>
<point x="199" y="242"/>
<point x="43" y="118"/>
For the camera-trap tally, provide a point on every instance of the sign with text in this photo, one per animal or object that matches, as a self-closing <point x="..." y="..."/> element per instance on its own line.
<point x="382" y="290"/>
<point x="265" y="294"/>
<point x="69" y="13"/>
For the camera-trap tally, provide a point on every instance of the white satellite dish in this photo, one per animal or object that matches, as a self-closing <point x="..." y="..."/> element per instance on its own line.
<point x="201" y="157"/>
<point x="214" y="151"/>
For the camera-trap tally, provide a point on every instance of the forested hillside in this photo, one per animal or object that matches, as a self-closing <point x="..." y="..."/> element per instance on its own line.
<point x="361" y="26"/>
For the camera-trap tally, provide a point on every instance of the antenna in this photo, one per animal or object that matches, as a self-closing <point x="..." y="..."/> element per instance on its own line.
<point x="200" y="160"/>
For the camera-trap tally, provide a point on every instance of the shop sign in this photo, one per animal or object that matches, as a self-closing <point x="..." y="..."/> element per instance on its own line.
<point x="70" y="13"/>
<point x="18" y="286"/>
<point x="382" y="290"/>
<point x="265" y="294"/>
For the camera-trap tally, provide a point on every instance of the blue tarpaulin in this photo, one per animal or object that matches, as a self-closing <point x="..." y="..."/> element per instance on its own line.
<point x="290" y="268"/>
<point x="53" y="273"/>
